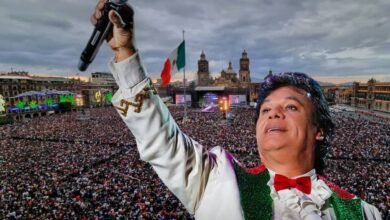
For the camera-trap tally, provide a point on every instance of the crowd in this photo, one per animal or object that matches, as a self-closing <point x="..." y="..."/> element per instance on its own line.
<point x="59" y="167"/>
<point x="360" y="138"/>
<point x="103" y="127"/>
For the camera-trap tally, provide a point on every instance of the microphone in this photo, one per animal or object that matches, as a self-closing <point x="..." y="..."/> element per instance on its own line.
<point x="102" y="29"/>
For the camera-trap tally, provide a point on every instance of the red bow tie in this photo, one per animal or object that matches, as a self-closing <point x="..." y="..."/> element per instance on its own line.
<point x="302" y="184"/>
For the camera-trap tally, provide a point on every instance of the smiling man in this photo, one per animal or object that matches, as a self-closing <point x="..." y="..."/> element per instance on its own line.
<point x="293" y="133"/>
<point x="286" y="132"/>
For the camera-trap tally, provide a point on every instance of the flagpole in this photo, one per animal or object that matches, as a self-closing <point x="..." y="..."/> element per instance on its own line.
<point x="184" y="84"/>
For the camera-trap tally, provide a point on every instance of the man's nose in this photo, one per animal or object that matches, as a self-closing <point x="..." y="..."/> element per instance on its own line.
<point x="276" y="113"/>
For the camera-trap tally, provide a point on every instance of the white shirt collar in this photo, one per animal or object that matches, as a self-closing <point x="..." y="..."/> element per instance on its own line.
<point x="298" y="202"/>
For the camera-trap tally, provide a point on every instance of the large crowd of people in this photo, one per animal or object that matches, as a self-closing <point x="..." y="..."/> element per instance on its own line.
<point x="59" y="167"/>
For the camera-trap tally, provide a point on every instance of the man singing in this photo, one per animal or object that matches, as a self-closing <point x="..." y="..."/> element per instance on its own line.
<point x="293" y="133"/>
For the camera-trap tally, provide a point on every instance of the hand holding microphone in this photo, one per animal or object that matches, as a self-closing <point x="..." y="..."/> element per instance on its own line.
<point x="113" y="20"/>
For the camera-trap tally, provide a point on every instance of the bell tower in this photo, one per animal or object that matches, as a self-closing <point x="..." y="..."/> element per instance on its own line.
<point x="244" y="72"/>
<point x="203" y="70"/>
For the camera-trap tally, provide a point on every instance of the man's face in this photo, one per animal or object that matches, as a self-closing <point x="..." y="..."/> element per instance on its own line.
<point x="285" y="130"/>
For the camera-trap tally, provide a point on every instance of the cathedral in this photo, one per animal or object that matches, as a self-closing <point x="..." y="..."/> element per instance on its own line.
<point x="237" y="88"/>
<point x="228" y="77"/>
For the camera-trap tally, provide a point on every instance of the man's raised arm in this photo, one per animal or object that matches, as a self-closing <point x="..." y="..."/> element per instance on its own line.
<point x="183" y="164"/>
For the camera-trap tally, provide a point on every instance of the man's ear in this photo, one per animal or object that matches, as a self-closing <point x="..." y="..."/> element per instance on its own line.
<point x="320" y="134"/>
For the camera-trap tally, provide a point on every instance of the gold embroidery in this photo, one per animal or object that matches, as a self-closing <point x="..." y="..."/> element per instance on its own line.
<point x="139" y="99"/>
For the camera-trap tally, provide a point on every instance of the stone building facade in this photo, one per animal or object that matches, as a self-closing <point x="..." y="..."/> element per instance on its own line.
<point x="228" y="77"/>
<point x="372" y="95"/>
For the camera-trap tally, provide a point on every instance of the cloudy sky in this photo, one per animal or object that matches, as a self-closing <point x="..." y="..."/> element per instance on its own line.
<point x="333" y="40"/>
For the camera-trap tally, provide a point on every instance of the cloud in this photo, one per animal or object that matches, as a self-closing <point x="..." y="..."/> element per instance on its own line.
<point x="47" y="20"/>
<point x="322" y="38"/>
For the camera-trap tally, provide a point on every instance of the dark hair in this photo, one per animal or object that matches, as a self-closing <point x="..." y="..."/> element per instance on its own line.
<point x="321" y="115"/>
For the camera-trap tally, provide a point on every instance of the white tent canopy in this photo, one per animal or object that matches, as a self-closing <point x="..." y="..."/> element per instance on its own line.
<point x="45" y="92"/>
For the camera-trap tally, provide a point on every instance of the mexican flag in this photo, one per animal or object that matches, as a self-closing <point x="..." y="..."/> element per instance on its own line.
<point x="175" y="62"/>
